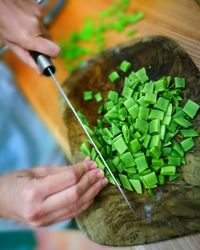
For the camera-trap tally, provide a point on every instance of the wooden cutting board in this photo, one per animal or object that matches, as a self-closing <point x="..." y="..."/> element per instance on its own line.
<point x="175" y="211"/>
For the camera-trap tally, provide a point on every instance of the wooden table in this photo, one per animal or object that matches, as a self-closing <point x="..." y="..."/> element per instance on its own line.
<point x="178" y="19"/>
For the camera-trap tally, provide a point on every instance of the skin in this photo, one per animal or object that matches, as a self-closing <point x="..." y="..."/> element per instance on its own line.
<point x="45" y="195"/>
<point x="22" y="29"/>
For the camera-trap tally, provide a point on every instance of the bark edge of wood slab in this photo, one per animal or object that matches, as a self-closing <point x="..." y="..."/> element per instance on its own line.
<point x="175" y="211"/>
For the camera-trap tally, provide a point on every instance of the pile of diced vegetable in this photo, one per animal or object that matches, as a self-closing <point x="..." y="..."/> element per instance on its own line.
<point x="143" y="132"/>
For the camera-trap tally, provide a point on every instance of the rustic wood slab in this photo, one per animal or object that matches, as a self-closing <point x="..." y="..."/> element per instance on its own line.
<point x="175" y="211"/>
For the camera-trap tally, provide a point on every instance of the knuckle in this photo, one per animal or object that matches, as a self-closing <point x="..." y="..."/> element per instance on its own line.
<point x="76" y="194"/>
<point x="73" y="176"/>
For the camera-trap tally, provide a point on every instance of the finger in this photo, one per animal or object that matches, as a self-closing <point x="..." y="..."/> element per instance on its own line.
<point x="93" y="191"/>
<point x="40" y="172"/>
<point x="87" y="181"/>
<point x="57" y="182"/>
<point x="71" y="195"/>
<point x="25" y="56"/>
<point x="43" y="45"/>
<point x="60" y="215"/>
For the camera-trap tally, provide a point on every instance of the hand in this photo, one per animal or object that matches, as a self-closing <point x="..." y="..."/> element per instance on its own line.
<point x="47" y="195"/>
<point x="22" y="29"/>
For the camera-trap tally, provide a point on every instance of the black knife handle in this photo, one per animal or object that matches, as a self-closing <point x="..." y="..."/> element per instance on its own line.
<point x="44" y="62"/>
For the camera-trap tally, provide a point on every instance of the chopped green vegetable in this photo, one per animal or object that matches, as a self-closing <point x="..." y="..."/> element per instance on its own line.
<point x="187" y="144"/>
<point x="136" y="185"/>
<point x="125" y="182"/>
<point x="156" y="114"/>
<point x="114" y="76"/>
<point x="188" y="132"/>
<point x="127" y="159"/>
<point x="85" y="149"/>
<point x="143" y="113"/>
<point x="125" y="66"/>
<point x="179" y="82"/>
<point x="134" y="146"/>
<point x="142" y="75"/>
<point x="126" y="133"/>
<point x="113" y="96"/>
<point x="88" y="96"/>
<point x="150" y="98"/>
<point x="141" y="163"/>
<point x="144" y="132"/>
<point x="98" y="97"/>
<point x="182" y="122"/>
<point x="191" y="108"/>
<point x="168" y="170"/>
<point x="150" y="179"/>
<point x="120" y="144"/>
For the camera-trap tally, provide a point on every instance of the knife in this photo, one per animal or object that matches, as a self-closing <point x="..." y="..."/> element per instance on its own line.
<point x="48" y="69"/>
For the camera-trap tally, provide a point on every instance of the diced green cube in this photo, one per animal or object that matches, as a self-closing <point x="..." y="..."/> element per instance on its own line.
<point x="120" y="144"/>
<point x="162" y="104"/>
<point x="125" y="182"/>
<point x="150" y="98"/>
<point x="156" y="114"/>
<point x="113" y="96"/>
<point x="141" y="125"/>
<point x="191" y="108"/>
<point x="88" y="95"/>
<point x="142" y="75"/>
<point x="136" y="185"/>
<point x="141" y="164"/>
<point x="168" y="170"/>
<point x="133" y="111"/>
<point x="134" y="146"/>
<point x="98" y="96"/>
<point x="179" y="82"/>
<point x="187" y="144"/>
<point x="114" y="76"/>
<point x="150" y="179"/>
<point x="127" y="159"/>
<point x="125" y="66"/>
<point x="143" y="112"/>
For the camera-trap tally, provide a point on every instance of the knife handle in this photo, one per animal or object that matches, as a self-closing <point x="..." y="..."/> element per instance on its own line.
<point x="44" y="62"/>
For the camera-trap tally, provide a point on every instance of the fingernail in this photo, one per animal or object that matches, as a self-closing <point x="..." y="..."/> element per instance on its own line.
<point x="87" y="158"/>
<point x="100" y="173"/>
<point x="105" y="181"/>
<point x="93" y="165"/>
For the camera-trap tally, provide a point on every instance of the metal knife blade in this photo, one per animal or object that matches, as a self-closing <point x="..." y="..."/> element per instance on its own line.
<point x="48" y="69"/>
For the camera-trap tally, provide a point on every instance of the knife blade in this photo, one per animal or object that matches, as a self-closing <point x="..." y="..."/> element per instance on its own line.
<point x="48" y="69"/>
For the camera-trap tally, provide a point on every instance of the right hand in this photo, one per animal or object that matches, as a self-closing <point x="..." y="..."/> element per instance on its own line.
<point x="46" y="195"/>
<point x="21" y="27"/>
